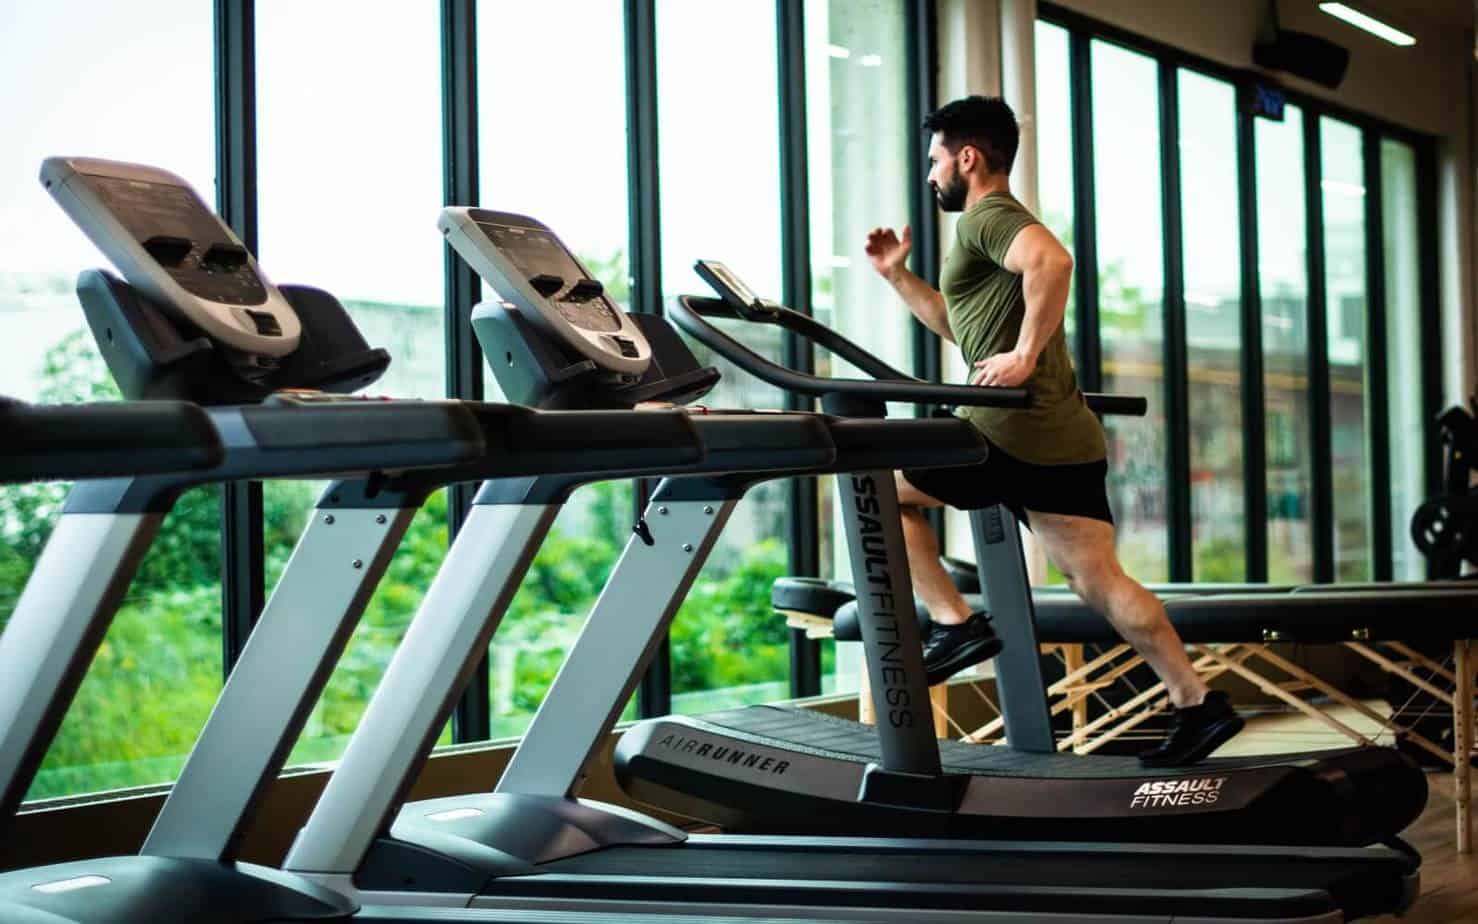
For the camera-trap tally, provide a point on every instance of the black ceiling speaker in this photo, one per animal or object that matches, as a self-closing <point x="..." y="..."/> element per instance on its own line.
<point x="1299" y="53"/>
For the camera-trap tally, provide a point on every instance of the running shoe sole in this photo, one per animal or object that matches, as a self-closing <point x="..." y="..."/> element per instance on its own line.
<point x="1217" y="734"/>
<point x="968" y="654"/>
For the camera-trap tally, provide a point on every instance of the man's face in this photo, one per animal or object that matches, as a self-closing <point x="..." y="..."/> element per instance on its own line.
<point x="949" y="186"/>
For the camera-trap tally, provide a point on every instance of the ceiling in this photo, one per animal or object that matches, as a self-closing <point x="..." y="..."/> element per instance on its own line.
<point x="1436" y="12"/>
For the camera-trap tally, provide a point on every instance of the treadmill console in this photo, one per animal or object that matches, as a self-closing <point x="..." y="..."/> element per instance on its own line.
<point x="169" y="245"/>
<point x="735" y="293"/>
<point x="535" y="273"/>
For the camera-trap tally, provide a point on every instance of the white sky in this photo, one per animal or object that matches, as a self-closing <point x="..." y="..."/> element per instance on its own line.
<point x="149" y="98"/>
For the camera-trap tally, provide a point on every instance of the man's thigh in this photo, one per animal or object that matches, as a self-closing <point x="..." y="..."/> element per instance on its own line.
<point x="1075" y="545"/>
<point x="911" y="496"/>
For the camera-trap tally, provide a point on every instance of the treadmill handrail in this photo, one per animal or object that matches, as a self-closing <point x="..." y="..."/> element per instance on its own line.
<point x="691" y="312"/>
<point x="105" y="439"/>
<point x="690" y="309"/>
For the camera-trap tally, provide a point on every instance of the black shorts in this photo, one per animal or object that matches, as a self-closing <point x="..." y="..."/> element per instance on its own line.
<point x="1077" y="489"/>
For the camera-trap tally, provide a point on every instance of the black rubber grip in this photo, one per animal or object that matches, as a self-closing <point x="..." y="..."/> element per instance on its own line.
<point x="864" y="443"/>
<point x="356" y="437"/>
<point x="1119" y="405"/>
<point x="598" y="441"/>
<point x="763" y="442"/>
<point x="104" y="440"/>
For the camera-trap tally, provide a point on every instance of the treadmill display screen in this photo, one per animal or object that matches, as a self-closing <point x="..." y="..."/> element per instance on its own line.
<point x="184" y="237"/>
<point x="535" y="252"/>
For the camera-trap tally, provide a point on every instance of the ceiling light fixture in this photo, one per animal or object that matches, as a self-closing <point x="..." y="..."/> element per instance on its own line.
<point x="1369" y="23"/>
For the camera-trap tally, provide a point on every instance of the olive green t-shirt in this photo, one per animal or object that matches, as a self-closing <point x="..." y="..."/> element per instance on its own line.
<point x="986" y="308"/>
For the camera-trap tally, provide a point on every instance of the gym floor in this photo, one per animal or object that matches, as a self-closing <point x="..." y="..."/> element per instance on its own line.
<point x="1449" y="881"/>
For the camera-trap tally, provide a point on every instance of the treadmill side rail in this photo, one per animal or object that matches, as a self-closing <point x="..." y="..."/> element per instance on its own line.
<point x="333" y="572"/>
<point x="448" y="635"/>
<point x="56" y="627"/>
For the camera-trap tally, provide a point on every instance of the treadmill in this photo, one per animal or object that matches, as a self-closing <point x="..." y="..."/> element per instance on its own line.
<point x="197" y="320"/>
<point x="532" y="844"/>
<point x="1350" y="797"/>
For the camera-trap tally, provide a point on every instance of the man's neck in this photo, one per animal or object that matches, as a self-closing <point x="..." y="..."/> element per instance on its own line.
<point x="993" y="184"/>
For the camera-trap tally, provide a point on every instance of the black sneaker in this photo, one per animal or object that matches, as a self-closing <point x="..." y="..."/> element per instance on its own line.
<point x="1195" y="732"/>
<point x="950" y="649"/>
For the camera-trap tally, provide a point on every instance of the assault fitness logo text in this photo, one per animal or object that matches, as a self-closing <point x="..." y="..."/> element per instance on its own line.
<point x="1176" y="793"/>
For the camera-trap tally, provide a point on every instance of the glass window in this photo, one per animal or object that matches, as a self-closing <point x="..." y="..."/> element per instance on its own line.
<point x="1055" y="147"/>
<point x="1055" y="191"/>
<point x="720" y="196"/>
<point x="858" y="139"/>
<point x="1401" y="234"/>
<point x="1208" y="185"/>
<point x="1282" y="248"/>
<point x="1343" y="188"/>
<point x="148" y="100"/>
<point x="349" y="121"/>
<point x="1126" y="139"/>
<point x="579" y="190"/>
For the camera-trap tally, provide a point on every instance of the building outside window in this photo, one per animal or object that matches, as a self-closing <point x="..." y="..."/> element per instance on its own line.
<point x="1126" y="141"/>
<point x="1213" y="307"/>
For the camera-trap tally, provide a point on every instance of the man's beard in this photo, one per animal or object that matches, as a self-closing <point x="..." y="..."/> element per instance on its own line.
<point x="951" y="197"/>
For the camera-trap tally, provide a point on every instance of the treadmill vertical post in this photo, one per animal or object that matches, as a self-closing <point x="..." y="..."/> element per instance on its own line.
<point x="624" y="628"/>
<point x="56" y="628"/>
<point x="1007" y="592"/>
<point x="447" y="637"/>
<point x="868" y="502"/>
<point x="328" y="581"/>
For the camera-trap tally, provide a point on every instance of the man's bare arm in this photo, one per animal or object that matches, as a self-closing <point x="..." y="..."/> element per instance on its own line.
<point x="925" y="301"/>
<point x="1046" y="269"/>
<point x="888" y="253"/>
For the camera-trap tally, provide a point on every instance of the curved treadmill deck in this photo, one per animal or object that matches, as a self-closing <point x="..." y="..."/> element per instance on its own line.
<point x="787" y="770"/>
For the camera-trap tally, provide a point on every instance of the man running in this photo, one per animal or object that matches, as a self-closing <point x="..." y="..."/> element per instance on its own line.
<point x="1002" y="295"/>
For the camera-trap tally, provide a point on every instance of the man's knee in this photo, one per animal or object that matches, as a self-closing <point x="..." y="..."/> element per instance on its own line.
<point x="911" y="497"/>
<point x="1134" y="611"/>
<point x="1093" y="578"/>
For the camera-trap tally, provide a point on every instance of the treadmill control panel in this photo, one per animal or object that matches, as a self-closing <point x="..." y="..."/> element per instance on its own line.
<point x="554" y="274"/>
<point x="733" y="290"/>
<point x="171" y="246"/>
<point x="532" y="269"/>
<point x="178" y="234"/>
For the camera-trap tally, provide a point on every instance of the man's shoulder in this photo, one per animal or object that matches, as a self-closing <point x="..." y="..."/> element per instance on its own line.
<point x="998" y="205"/>
<point x="994" y="210"/>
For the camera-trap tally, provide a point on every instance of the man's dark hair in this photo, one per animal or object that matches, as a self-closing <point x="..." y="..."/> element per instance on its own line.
<point x="986" y="122"/>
